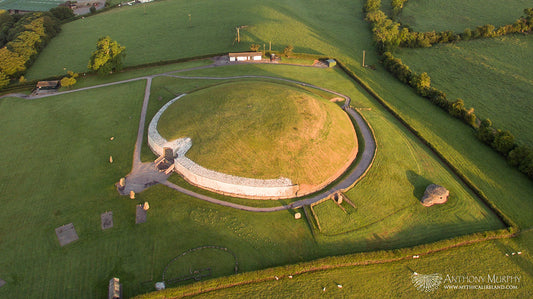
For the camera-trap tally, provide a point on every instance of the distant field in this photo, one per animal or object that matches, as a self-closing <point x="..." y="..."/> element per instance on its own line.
<point x="495" y="76"/>
<point x="263" y="130"/>
<point x="161" y="31"/>
<point x="457" y="15"/>
<point x="30" y="5"/>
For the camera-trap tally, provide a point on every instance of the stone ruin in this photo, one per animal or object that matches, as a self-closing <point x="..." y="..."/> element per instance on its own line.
<point x="434" y="194"/>
<point x="166" y="160"/>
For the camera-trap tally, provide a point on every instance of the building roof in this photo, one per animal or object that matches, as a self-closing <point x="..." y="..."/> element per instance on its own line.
<point x="41" y="84"/>
<point x="245" y="54"/>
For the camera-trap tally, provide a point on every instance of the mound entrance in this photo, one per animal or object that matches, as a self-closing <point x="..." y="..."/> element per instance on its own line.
<point x="263" y="130"/>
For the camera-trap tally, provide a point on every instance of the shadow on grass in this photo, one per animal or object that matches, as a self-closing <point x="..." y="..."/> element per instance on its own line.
<point x="419" y="183"/>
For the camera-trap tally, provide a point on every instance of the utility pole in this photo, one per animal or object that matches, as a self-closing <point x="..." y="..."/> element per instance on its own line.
<point x="363" y="58"/>
<point x="238" y="35"/>
<point x="270" y="46"/>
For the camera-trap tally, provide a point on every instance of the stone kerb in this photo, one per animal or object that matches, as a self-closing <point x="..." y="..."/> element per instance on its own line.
<point x="234" y="185"/>
<point x="210" y="179"/>
<point x="157" y="143"/>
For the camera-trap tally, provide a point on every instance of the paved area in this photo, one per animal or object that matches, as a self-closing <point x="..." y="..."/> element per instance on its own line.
<point x="142" y="176"/>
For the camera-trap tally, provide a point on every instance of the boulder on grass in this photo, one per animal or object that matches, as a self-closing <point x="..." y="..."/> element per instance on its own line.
<point x="435" y="194"/>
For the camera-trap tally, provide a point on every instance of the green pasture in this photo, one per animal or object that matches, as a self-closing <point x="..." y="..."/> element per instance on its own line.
<point x="72" y="148"/>
<point x="161" y="31"/>
<point x="495" y="76"/>
<point x="30" y="5"/>
<point x="67" y="139"/>
<point x="456" y="15"/>
<point x="391" y="280"/>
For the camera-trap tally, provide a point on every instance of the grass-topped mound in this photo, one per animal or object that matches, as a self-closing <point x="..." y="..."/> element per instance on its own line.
<point x="263" y="130"/>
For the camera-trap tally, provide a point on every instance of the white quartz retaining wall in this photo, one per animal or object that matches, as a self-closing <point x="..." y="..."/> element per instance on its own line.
<point x="234" y="185"/>
<point x="210" y="179"/>
<point x="157" y="143"/>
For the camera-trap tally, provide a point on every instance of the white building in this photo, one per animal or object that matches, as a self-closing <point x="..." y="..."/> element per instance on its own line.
<point x="245" y="56"/>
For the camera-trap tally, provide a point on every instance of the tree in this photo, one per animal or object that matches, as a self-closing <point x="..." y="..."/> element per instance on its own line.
<point x="255" y="47"/>
<point x="62" y="12"/>
<point x="503" y="142"/>
<point x="421" y="83"/>
<point x="108" y="56"/>
<point x="92" y="9"/>
<point x="288" y="50"/>
<point x="69" y="80"/>
<point x="4" y="80"/>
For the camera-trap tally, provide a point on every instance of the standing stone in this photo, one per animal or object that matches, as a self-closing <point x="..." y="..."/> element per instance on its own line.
<point x="435" y="194"/>
<point x="122" y="182"/>
<point x="110" y="159"/>
<point x="132" y="194"/>
<point x="146" y="206"/>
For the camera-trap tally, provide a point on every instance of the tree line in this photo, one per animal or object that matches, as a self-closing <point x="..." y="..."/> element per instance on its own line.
<point x="22" y="38"/>
<point x="389" y="34"/>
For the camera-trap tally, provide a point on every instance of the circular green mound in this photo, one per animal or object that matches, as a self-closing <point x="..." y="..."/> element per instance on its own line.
<point x="263" y="130"/>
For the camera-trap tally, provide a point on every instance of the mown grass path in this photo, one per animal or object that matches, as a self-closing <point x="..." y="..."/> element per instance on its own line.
<point x="355" y="174"/>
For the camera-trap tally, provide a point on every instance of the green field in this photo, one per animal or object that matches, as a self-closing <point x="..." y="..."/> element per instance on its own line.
<point x="78" y="127"/>
<point x="160" y="31"/>
<point x="30" y="5"/>
<point x="263" y="130"/>
<point x="391" y="280"/>
<point x="456" y="15"/>
<point x="55" y="164"/>
<point x="495" y="76"/>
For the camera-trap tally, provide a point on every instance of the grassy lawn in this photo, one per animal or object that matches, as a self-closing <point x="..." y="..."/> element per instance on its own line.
<point x="69" y="177"/>
<point x="495" y="76"/>
<point x="391" y="280"/>
<point x="161" y="31"/>
<point x="429" y="15"/>
<point x="78" y="127"/>
<point x="263" y="130"/>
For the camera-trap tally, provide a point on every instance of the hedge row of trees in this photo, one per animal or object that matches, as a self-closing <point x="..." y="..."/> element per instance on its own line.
<point x="389" y="34"/>
<point x="22" y="37"/>
<point x="502" y="141"/>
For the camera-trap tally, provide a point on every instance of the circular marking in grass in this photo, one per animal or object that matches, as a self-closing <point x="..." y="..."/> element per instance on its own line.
<point x="201" y="269"/>
<point x="281" y="140"/>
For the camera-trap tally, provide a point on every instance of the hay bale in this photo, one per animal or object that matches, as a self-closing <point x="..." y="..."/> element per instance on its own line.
<point x="435" y="194"/>
<point x="297" y="215"/>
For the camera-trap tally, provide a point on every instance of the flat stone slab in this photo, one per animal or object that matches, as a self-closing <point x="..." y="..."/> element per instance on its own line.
<point x="140" y="215"/>
<point x="66" y="234"/>
<point x="106" y="220"/>
<point x="2" y="283"/>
